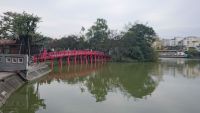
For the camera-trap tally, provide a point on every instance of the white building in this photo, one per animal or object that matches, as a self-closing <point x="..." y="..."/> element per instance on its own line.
<point x="166" y="42"/>
<point x="190" y="41"/>
<point x="186" y="42"/>
<point x="171" y="42"/>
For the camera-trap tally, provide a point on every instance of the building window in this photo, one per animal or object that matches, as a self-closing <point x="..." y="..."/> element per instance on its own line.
<point x="20" y="60"/>
<point x="8" y="60"/>
<point x="0" y="59"/>
<point x="14" y="60"/>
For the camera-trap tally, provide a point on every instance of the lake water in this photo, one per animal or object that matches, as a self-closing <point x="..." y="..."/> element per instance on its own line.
<point x="169" y="86"/>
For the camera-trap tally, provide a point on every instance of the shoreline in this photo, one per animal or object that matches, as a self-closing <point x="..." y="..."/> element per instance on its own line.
<point x="9" y="84"/>
<point x="11" y="81"/>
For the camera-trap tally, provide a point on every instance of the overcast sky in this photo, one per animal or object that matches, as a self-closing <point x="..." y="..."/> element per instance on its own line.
<point x="169" y="18"/>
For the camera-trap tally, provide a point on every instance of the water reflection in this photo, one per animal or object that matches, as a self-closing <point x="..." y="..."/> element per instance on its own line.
<point x="24" y="100"/>
<point x="70" y="74"/>
<point x="134" y="81"/>
<point x="180" y="67"/>
<point x="131" y="79"/>
<point x="137" y="80"/>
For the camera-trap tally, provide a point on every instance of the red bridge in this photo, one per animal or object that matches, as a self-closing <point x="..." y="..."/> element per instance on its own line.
<point x="78" y="56"/>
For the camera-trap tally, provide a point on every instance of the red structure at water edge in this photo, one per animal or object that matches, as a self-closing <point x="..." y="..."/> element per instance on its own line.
<point x="75" y="56"/>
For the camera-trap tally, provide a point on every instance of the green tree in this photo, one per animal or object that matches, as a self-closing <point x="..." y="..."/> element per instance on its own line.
<point x="192" y="53"/>
<point x="21" y="26"/>
<point x="98" y="34"/>
<point x="69" y="42"/>
<point x="137" y="42"/>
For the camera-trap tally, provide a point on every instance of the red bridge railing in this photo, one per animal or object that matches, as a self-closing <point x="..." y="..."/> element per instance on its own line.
<point x="80" y="55"/>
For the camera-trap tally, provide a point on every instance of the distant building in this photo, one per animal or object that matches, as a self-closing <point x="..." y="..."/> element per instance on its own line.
<point x="190" y="42"/>
<point x="183" y="42"/>
<point x="8" y="46"/>
<point x="177" y="41"/>
<point x="165" y="42"/>
<point x="171" y="42"/>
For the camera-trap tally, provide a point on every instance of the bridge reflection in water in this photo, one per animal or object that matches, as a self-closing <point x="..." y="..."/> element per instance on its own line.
<point x="132" y="79"/>
<point x="68" y="72"/>
<point x="135" y="81"/>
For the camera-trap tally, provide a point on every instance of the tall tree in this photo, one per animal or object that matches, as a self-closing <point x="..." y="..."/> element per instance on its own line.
<point x="138" y="41"/>
<point x="21" y="26"/>
<point x="98" y="34"/>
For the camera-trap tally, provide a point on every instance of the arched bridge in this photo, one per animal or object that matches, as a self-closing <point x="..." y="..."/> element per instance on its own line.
<point x="78" y="56"/>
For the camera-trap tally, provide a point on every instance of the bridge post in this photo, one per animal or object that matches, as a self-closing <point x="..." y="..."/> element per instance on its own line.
<point x="60" y="62"/>
<point x="35" y="59"/>
<point x="81" y="59"/>
<point x="75" y="59"/>
<point x="98" y="58"/>
<point x="68" y="60"/>
<point x="52" y="63"/>
<point x="95" y="58"/>
<point x="44" y="54"/>
<point x="86" y="60"/>
<point x="90" y="59"/>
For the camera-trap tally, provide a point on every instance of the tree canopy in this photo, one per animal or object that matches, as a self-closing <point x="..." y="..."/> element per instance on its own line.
<point x="16" y="25"/>
<point x="133" y="44"/>
<point x="137" y="42"/>
<point x="97" y="34"/>
<point x="22" y="27"/>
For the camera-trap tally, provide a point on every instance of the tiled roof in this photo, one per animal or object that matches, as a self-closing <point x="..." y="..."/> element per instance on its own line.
<point x="7" y="42"/>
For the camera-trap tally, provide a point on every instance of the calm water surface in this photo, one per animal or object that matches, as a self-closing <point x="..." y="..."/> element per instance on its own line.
<point x="170" y="86"/>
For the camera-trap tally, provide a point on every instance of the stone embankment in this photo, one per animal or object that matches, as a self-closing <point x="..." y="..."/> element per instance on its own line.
<point x="9" y="82"/>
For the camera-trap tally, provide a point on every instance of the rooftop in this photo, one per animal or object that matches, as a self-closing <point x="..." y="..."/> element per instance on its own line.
<point x="7" y="42"/>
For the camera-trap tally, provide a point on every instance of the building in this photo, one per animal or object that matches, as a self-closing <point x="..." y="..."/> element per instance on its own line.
<point x="182" y="42"/>
<point x="177" y="41"/>
<point x="8" y="46"/>
<point x="171" y="42"/>
<point x="165" y="42"/>
<point x="190" y="42"/>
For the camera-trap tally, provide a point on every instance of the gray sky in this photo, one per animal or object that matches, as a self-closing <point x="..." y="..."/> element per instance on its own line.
<point x="169" y="18"/>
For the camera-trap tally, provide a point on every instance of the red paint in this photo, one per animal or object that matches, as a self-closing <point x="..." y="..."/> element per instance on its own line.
<point x="98" y="56"/>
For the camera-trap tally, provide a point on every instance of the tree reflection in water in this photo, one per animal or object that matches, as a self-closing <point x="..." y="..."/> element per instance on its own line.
<point x="136" y="80"/>
<point x="24" y="100"/>
<point x="131" y="79"/>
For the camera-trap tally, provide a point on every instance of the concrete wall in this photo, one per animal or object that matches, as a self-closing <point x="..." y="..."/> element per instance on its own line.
<point x="13" y="62"/>
<point x="8" y="85"/>
<point x="37" y="71"/>
<point x="11" y="81"/>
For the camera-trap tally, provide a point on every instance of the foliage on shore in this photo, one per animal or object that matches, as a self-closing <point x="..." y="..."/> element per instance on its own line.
<point x="21" y="27"/>
<point x="132" y="44"/>
<point x="193" y="53"/>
